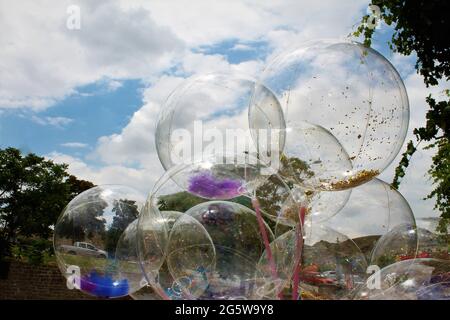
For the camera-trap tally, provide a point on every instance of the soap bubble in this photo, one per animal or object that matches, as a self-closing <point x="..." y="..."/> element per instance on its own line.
<point x="422" y="279"/>
<point x="86" y="236"/>
<point x="374" y="209"/>
<point x="208" y="115"/>
<point x="399" y="244"/>
<point x="333" y="266"/>
<point x="351" y="91"/>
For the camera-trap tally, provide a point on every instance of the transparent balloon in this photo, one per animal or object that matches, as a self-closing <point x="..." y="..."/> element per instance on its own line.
<point x="127" y="255"/>
<point x="278" y="202"/>
<point x="243" y="179"/>
<point x="351" y="91"/>
<point x="152" y="240"/>
<point x="373" y="210"/>
<point x="423" y="279"/>
<point x="208" y="115"/>
<point x="86" y="236"/>
<point x="238" y="245"/>
<point x="432" y="244"/>
<point x="285" y="251"/>
<point x="313" y="158"/>
<point x="332" y="267"/>
<point x="219" y="177"/>
<point x="399" y="244"/>
<point x="128" y="265"/>
<point x="191" y="258"/>
<point x="310" y="161"/>
<point x="323" y="205"/>
<point x="146" y="293"/>
<point x="238" y="231"/>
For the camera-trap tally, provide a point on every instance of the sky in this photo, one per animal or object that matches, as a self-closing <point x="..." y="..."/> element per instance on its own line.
<point x="90" y="97"/>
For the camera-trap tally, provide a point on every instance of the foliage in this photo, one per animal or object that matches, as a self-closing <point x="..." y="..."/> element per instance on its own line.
<point x="419" y="28"/>
<point x="89" y="222"/>
<point x="440" y="173"/>
<point x="32" y="250"/>
<point x="386" y="260"/>
<point x="180" y="201"/>
<point x="33" y="192"/>
<point x="126" y="211"/>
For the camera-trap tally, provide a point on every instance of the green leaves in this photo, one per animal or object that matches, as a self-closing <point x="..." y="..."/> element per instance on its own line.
<point x="404" y="162"/>
<point x="419" y="28"/>
<point x="33" y="192"/>
<point x="440" y="173"/>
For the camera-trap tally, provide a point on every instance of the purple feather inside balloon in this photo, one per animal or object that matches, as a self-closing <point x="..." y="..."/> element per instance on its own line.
<point x="207" y="186"/>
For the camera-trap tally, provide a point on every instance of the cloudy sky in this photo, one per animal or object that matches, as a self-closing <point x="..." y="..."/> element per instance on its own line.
<point x="90" y="97"/>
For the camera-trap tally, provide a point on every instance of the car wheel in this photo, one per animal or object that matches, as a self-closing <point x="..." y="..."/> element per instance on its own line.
<point x="102" y="256"/>
<point x="72" y="252"/>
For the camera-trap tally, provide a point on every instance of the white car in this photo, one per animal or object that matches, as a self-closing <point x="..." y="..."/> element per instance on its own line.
<point x="83" y="249"/>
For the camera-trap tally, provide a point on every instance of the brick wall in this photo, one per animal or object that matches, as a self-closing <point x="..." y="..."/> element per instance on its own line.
<point x="27" y="281"/>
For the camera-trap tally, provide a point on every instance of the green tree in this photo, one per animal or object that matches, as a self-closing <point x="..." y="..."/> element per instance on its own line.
<point x="33" y="192"/>
<point x="89" y="223"/>
<point x="419" y="27"/>
<point x="126" y="211"/>
<point x="78" y="186"/>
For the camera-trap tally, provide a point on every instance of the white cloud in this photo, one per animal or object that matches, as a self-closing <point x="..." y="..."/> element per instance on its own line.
<point x="58" y="122"/>
<point x="242" y="47"/>
<point x="42" y="61"/>
<point x="205" y="22"/>
<point x="74" y="145"/>
<point x="199" y="63"/>
<point x="142" y="180"/>
<point x="113" y="85"/>
<point x="404" y="64"/>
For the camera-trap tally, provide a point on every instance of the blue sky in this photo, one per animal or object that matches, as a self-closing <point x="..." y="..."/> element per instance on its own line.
<point x="90" y="97"/>
<point x="92" y="112"/>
